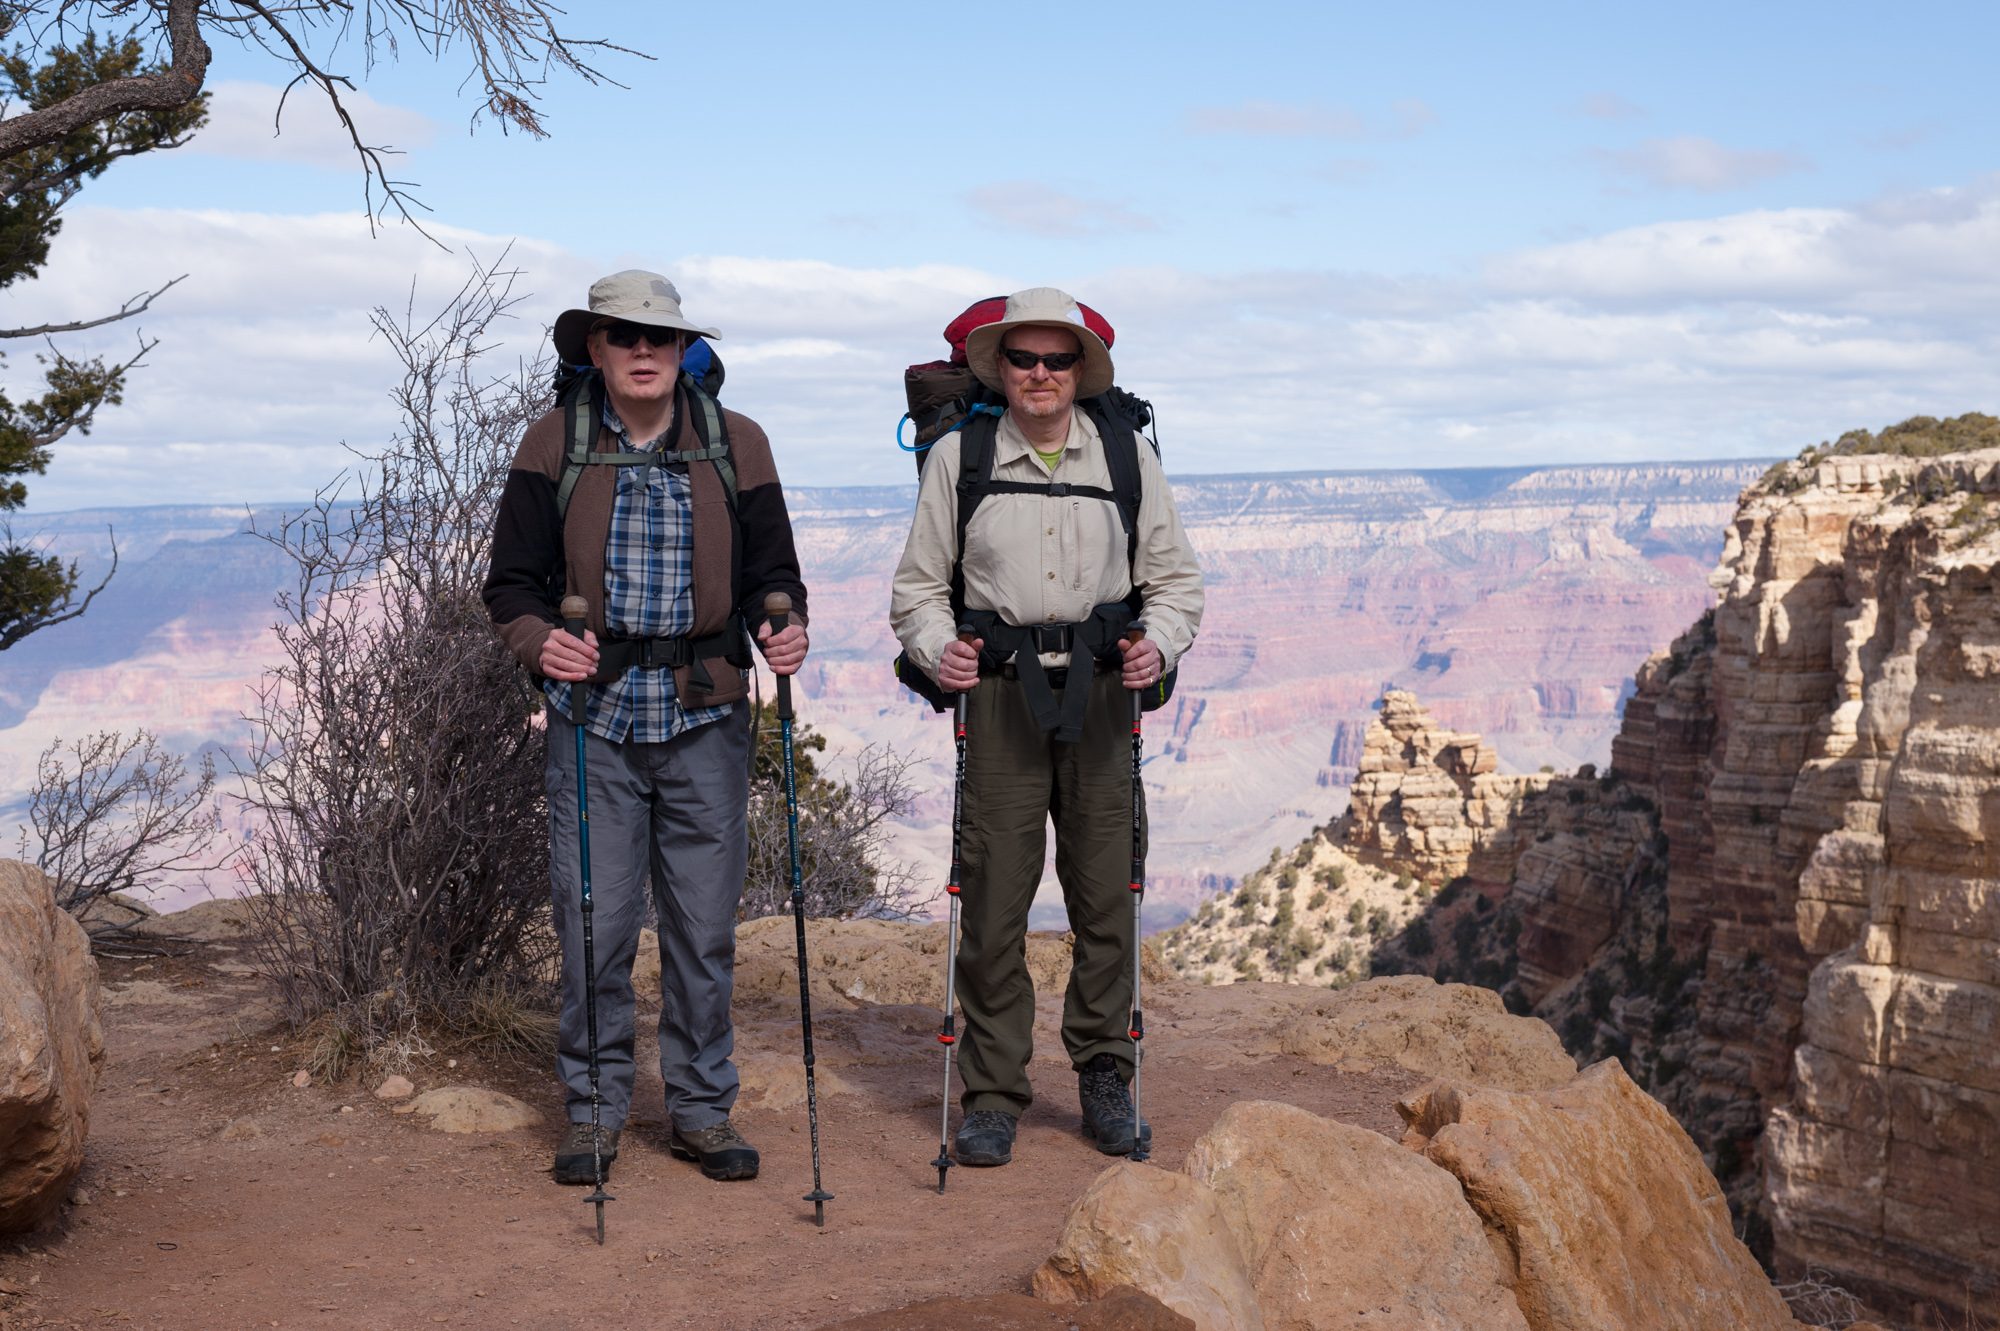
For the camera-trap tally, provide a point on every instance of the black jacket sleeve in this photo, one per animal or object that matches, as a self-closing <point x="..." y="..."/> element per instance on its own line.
<point x="770" y="557"/>
<point x="524" y="577"/>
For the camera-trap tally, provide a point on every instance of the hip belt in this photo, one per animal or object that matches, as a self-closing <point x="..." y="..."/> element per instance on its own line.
<point x="615" y="656"/>
<point x="1013" y="651"/>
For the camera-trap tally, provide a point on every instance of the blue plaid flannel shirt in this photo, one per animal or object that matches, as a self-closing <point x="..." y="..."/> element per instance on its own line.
<point x="648" y="593"/>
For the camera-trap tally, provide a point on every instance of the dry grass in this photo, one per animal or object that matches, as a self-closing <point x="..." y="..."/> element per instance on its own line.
<point x="495" y="1018"/>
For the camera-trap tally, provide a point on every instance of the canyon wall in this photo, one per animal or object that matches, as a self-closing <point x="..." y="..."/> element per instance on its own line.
<point x="1780" y="905"/>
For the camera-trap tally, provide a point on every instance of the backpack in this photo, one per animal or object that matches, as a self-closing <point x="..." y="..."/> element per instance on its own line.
<point x="945" y="397"/>
<point x="579" y="392"/>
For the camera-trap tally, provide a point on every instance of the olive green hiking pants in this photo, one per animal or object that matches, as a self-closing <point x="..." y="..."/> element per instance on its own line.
<point x="1019" y="779"/>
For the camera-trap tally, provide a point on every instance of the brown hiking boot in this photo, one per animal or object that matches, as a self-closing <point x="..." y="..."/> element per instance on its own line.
<point x="720" y="1150"/>
<point x="574" y="1162"/>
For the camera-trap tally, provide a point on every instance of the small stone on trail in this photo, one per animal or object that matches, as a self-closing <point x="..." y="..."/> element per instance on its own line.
<point x="395" y="1088"/>
<point x="473" y="1109"/>
<point x="347" y="1109"/>
<point x="302" y="1078"/>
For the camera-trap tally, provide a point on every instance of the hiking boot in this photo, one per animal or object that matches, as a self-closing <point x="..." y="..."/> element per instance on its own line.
<point x="573" y="1158"/>
<point x="1107" y="1107"/>
<point x="720" y="1151"/>
<point x="985" y="1138"/>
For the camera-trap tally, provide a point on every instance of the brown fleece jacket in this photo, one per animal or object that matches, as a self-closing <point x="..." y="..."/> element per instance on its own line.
<point x="739" y="556"/>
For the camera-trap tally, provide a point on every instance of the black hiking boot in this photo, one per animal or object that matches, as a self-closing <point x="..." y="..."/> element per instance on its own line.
<point x="573" y="1159"/>
<point x="720" y="1151"/>
<point x="985" y="1138"/>
<point x="1107" y="1107"/>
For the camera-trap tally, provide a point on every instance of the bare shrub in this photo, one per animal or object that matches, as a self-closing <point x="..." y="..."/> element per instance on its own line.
<point x="397" y="759"/>
<point x="844" y="870"/>
<point x="116" y="815"/>
<point x="1819" y="1303"/>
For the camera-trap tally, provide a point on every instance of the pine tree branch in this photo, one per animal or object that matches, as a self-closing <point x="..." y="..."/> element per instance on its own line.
<point x="175" y="86"/>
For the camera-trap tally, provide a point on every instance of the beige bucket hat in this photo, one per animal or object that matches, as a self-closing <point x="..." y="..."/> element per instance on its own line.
<point x="635" y="296"/>
<point x="1046" y="307"/>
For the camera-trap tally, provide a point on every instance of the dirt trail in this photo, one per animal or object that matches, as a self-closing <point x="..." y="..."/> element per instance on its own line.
<point x="217" y="1194"/>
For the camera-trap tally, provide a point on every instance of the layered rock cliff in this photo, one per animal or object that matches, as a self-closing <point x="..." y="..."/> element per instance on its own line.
<point x="1780" y="904"/>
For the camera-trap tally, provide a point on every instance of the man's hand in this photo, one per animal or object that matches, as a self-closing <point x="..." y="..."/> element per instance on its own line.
<point x="958" y="668"/>
<point x="784" y="650"/>
<point x="1143" y="663"/>
<point x="568" y="658"/>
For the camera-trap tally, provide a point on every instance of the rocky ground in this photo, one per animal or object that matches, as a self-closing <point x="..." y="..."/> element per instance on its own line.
<point x="218" y="1193"/>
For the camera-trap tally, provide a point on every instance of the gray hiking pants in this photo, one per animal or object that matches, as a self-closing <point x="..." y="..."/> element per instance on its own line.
<point x="680" y="810"/>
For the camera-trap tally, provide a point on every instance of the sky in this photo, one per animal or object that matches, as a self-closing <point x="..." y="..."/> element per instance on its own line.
<point x="1329" y="237"/>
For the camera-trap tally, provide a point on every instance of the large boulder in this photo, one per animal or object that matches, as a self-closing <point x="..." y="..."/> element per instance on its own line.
<point x="1458" y="1031"/>
<point x="1609" y="1214"/>
<point x="1158" y="1232"/>
<point x="51" y="1046"/>
<point x="1283" y="1219"/>
<point x="1342" y="1228"/>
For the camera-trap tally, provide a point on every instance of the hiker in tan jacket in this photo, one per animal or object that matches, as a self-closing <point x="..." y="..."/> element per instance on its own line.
<point x="1053" y="582"/>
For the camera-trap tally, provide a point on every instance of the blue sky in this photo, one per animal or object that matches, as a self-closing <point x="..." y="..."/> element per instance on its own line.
<point x="1338" y="236"/>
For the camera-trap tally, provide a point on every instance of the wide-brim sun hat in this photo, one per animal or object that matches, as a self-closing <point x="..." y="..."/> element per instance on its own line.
<point x="1041" y="307"/>
<point x="636" y="296"/>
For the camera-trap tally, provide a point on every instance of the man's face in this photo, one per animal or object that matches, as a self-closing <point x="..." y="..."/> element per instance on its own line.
<point x="1038" y="392"/>
<point x="644" y="371"/>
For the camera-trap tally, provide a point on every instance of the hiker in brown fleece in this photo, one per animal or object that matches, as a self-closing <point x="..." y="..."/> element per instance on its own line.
<point x="673" y="542"/>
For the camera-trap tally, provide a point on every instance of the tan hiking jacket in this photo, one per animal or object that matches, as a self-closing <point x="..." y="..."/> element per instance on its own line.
<point x="1038" y="559"/>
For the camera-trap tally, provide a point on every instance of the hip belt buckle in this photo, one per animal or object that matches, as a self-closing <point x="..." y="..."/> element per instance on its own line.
<point x="1054" y="638"/>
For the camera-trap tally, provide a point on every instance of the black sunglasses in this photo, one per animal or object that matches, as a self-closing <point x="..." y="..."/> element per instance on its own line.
<point x="1055" y="361"/>
<point x="625" y="336"/>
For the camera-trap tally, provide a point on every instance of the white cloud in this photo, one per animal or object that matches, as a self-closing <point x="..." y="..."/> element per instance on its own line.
<point x="1262" y="118"/>
<point x="1746" y="334"/>
<point x="1925" y="256"/>
<point x="1042" y="210"/>
<point x="243" y="122"/>
<point x="1690" y="162"/>
<point x="1609" y="106"/>
<point x="1346" y="170"/>
<point x="1409" y="118"/>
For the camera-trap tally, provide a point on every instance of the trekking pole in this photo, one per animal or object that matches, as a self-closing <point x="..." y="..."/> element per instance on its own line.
<point x="1138" y="1028"/>
<point x="574" y="608"/>
<point x="947" y="1034"/>
<point x="778" y="610"/>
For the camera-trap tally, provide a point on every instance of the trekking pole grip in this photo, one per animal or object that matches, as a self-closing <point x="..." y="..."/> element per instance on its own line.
<point x="778" y="613"/>
<point x="574" y="609"/>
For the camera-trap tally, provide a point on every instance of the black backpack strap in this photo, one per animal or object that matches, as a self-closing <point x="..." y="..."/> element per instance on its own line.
<point x="975" y="482"/>
<point x="1121" y="458"/>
